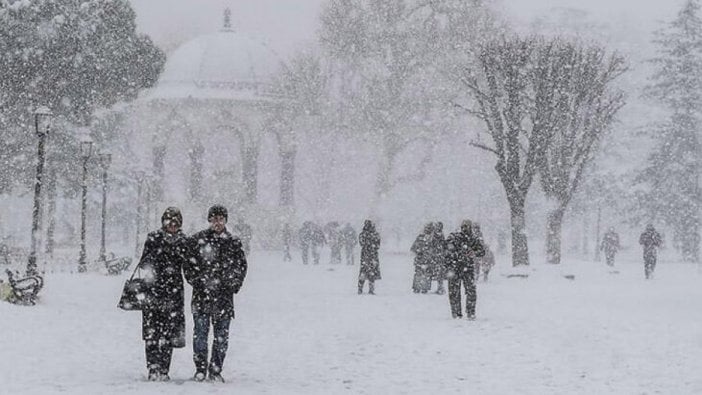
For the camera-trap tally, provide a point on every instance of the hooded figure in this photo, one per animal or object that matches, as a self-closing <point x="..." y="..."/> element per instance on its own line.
<point x="610" y="245"/>
<point x="369" y="239"/>
<point x="166" y="251"/>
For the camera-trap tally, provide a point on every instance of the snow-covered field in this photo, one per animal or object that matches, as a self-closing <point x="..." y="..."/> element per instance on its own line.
<point x="303" y="329"/>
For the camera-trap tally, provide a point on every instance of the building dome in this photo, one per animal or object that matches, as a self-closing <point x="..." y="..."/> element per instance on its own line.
<point x="225" y="65"/>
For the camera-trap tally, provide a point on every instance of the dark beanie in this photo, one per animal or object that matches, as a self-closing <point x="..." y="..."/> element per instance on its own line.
<point x="172" y="214"/>
<point x="216" y="210"/>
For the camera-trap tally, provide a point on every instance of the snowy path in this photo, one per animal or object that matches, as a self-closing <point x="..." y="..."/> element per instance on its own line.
<point x="302" y="329"/>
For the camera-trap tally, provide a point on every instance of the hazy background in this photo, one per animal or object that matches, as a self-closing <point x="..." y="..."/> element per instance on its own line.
<point x="287" y="24"/>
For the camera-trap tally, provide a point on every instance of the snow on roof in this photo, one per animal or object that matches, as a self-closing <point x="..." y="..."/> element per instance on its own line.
<point x="226" y="65"/>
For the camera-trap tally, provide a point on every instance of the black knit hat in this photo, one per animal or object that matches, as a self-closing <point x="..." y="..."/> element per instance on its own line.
<point x="216" y="210"/>
<point x="172" y="214"/>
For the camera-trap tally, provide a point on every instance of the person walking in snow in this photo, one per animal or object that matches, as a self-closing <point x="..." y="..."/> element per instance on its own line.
<point x="421" y="282"/>
<point x="216" y="274"/>
<point x="437" y="257"/>
<point x="349" y="239"/>
<point x="610" y="245"/>
<point x="369" y="239"/>
<point x="311" y="240"/>
<point x="650" y="239"/>
<point x="166" y="252"/>
<point x="484" y="263"/>
<point x="464" y="247"/>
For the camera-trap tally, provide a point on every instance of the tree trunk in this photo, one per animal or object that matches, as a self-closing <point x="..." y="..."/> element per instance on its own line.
<point x="196" y="154"/>
<point x="157" y="192"/>
<point x="287" y="178"/>
<point x="520" y="250"/>
<point x="690" y="243"/>
<point x="553" y="236"/>
<point x="249" y="171"/>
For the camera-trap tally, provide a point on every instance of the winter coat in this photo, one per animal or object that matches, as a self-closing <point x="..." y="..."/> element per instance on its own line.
<point x="369" y="239"/>
<point x="216" y="273"/>
<point x="437" y="255"/>
<point x="650" y="239"/>
<point x="311" y="234"/>
<point x="463" y="251"/>
<point x="162" y="261"/>
<point x="610" y="243"/>
<point x="348" y="236"/>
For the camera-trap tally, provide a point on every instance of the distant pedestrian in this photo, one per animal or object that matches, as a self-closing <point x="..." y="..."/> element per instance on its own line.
<point x="369" y="239"/>
<point x="464" y="247"/>
<point x="421" y="282"/>
<point x="349" y="239"/>
<point x="485" y="262"/>
<point x="311" y="240"/>
<point x="651" y="240"/>
<point x="610" y="245"/>
<point x="437" y="257"/>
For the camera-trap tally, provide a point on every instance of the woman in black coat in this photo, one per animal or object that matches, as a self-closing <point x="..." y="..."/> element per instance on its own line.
<point x="165" y="252"/>
<point x="369" y="239"/>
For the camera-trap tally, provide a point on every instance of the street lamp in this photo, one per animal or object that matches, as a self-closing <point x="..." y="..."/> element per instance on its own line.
<point x="140" y="176"/>
<point x="86" y="148"/>
<point x="42" y="127"/>
<point x="105" y="160"/>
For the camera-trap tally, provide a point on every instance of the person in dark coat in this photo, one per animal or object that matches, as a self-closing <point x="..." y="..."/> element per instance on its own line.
<point x="463" y="249"/>
<point x="216" y="275"/>
<point x="287" y="241"/>
<point x="484" y="263"/>
<point x="437" y="257"/>
<point x="165" y="253"/>
<point x="650" y="239"/>
<point x="242" y="230"/>
<point x="349" y="239"/>
<point x="369" y="239"/>
<point x="610" y="245"/>
<point x="421" y="281"/>
<point x="311" y="240"/>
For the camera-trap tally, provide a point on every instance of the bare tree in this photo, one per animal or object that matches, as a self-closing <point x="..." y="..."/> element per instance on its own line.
<point x="580" y="104"/>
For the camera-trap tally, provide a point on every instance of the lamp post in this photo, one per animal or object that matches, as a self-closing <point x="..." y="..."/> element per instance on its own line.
<point x="140" y="176"/>
<point x="86" y="148"/>
<point x="105" y="160"/>
<point x="42" y="126"/>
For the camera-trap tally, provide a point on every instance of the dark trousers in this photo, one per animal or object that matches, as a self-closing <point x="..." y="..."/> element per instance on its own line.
<point x="349" y="255"/>
<point x="609" y="258"/>
<point x="371" y="285"/>
<point x="305" y="253"/>
<point x="158" y="356"/>
<point x="220" y="342"/>
<point x="649" y="265"/>
<point x="465" y="277"/>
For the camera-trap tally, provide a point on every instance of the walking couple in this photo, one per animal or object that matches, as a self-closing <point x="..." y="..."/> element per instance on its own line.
<point x="214" y="264"/>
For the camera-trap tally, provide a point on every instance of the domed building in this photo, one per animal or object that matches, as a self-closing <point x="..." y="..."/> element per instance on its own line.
<point x="207" y="120"/>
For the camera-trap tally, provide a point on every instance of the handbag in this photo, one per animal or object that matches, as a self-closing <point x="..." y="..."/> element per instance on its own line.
<point x="136" y="294"/>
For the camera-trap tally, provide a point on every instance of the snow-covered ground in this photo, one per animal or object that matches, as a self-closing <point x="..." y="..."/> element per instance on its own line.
<point x="303" y="329"/>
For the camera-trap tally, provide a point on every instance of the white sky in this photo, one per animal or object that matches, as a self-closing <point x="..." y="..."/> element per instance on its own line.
<point x="287" y="24"/>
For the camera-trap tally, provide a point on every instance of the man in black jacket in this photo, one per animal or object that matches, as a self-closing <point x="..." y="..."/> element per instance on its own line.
<point x="463" y="249"/>
<point x="216" y="274"/>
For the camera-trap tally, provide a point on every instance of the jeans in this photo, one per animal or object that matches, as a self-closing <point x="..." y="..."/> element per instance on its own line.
<point x="220" y="342"/>
<point x="454" y="287"/>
